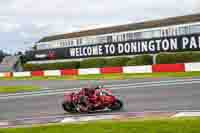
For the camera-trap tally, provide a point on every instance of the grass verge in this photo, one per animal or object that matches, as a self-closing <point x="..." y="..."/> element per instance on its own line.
<point x="112" y="76"/>
<point x="181" y="125"/>
<point x="15" y="89"/>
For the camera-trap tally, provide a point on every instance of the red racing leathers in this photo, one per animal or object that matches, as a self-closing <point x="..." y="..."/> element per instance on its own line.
<point x="89" y="99"/>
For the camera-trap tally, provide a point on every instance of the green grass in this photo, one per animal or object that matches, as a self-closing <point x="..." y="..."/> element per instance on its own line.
<point x="112" y="76"/>
<point x="14" y="89"/>
<point x="183" y="125"/>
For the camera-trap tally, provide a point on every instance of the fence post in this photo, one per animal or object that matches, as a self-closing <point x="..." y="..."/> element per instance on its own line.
<point x="154" y="58"/>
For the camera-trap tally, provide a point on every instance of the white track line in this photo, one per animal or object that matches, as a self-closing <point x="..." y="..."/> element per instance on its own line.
<point x="157" y="85"/>
<point x="55" y="92"/>
<point x="87" y="118"/>
<point x="117" y="88"/>
<point x="153" y="82"/>
<point x="46" y="90"/>
<point x="111" y="116"/>
<point x="187" y="114"/>
<point x="109" y="86"/>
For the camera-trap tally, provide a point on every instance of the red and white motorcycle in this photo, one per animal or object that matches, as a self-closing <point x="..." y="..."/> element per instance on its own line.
<point x="106" y="100"/>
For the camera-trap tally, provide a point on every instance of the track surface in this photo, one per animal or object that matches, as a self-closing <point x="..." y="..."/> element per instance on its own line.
<point x="160" y="97"/>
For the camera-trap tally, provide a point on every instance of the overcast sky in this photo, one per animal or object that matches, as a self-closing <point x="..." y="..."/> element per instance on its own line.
<point x="23" y="22"/>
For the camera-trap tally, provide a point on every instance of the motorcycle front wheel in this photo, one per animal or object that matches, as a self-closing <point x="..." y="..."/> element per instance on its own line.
<point x="68" y="107"/>
<point x="117" y="105"/>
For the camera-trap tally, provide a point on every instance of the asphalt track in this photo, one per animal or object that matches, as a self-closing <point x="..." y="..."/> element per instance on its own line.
<point x="139" y="95"/>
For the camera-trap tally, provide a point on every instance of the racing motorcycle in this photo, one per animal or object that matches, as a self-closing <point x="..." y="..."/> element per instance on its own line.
<point x="107" y="101"/>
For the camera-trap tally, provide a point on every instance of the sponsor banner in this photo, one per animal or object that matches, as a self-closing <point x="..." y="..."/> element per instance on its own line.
<point x="89" y="71"/>
<point x="137" y="69"/>
<point x="21" y="74"/>
<point x="189" y="67"/>
<point x="134" y="47"/>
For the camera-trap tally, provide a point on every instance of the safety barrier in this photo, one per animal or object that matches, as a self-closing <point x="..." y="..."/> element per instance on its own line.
<point x="186" y="67"/>
<point x="6" y="74"/>
<point x="137" y="69"/>
<point x="66" y="72"/>
<point x="1" y="75"/>
<point x="52" y="73"/>
<point x="21" y="74"/>
<point x="89" y="71"/>
<point x="168" y="68"/>
<point x="108" y="70"/>
<point x="37" y="73"/>
<point x="192" y="67"/>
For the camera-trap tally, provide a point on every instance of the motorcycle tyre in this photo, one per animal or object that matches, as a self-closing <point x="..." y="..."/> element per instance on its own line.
<point x="68" y="107"/>
<point x="117" y="106"/>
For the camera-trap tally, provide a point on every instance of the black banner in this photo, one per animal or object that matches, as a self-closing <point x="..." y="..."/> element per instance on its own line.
<point x="145" y="46"/>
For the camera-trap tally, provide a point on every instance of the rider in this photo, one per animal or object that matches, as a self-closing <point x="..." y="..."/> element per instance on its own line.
<point x="89" y="97"/>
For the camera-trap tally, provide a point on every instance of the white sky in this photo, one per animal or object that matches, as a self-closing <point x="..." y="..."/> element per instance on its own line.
<point x="23" y="22"/>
